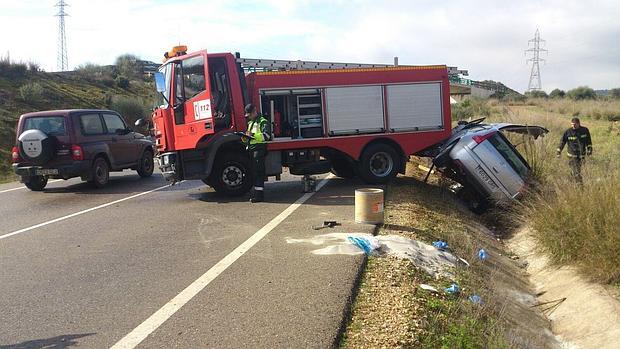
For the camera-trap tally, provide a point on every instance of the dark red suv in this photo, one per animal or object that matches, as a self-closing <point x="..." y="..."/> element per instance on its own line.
<point x="78" y="143"/>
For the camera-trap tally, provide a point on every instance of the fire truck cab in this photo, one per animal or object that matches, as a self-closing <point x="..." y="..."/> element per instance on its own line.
<point x="351" y="119"/>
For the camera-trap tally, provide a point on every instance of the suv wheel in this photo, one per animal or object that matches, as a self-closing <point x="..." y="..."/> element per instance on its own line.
<point x="146" y="164"/>
<point x="232" y="175"/>
<point x="36" y="183"/>
<point x="100" y="173"/>
<point x="379" y="164"/>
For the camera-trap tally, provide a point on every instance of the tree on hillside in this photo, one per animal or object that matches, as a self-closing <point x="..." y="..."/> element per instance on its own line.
<point x="615" y="93"/>
<point x="536" y="94"/>
<point x="581" y="92"/>
<point x="129" y="65"/>
<point x="557" y="93"/>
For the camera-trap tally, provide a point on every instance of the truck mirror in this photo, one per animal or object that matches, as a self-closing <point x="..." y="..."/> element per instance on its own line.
<point x="160" y="82"/>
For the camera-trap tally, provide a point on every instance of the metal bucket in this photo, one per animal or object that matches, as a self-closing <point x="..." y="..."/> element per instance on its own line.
<point x="369" y="206"/>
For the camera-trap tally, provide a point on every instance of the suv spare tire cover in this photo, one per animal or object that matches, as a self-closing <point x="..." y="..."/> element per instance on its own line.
<point x="36" y="147"/>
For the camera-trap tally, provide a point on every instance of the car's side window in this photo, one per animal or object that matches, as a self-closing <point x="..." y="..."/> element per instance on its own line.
<point x="91" y="124"/>
<point x="509" y="155"/>
<point x="113" y="123"/>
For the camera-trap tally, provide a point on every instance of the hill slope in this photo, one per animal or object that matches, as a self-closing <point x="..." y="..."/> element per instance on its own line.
<point x="23" y="91"/>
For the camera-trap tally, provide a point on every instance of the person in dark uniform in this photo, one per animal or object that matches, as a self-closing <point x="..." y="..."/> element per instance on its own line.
<point x="579" y="146"/>
<point x="258" y="133"/>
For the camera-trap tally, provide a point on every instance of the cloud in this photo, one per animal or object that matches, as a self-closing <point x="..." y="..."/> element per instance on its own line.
<point x="486" y="37"/>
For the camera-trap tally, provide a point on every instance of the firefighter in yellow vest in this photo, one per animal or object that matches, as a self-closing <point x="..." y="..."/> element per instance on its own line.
<point x="258" y="133"/>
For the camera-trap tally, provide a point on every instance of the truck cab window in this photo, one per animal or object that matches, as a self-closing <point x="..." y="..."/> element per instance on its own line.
<point x="167" y="71"/>
<point x="194" y="76"/>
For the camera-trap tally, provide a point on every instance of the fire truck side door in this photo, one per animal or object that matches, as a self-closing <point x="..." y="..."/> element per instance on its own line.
<point x="194" y="93"/>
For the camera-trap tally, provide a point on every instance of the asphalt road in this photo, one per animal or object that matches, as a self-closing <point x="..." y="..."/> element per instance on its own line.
<point x="142" y="264"/>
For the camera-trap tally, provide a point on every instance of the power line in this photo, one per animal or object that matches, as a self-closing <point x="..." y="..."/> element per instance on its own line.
<point x="62" y="61"/>
<point x="535" y="83"/>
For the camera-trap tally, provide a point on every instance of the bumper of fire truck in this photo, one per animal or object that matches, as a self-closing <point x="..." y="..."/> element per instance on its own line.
<point x="169" y="167"/>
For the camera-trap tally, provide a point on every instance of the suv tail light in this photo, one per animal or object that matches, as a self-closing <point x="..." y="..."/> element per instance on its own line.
<point x="481" y="138"/>
<point x="15" y="155"/>
<point x="77" y="153"/>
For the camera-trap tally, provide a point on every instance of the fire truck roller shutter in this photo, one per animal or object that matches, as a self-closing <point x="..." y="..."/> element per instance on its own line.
<point x="415" y="107"/>
<point x="353" y="110"/>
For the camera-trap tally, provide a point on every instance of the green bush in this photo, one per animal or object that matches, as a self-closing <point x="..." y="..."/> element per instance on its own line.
<point x="536" y="94"/>
<point x="130" y="108"/>
<point x="470" y="108"/>
<point x="12" y="70"/>
<point x="581" y="92"/>
<point x="31" y="92"/>
<point x="129" y="65"/>
<point x="122" y="81"/>
<point x="557" y="93"/>
<point x="615" y="93"/>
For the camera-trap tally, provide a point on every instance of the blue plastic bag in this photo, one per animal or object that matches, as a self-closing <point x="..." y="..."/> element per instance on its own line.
<point x="441" y="245"/>
<point x="453" y="289"/>
<point x="362" y="243"/>
<point x="482" y="255"/>
<point x="474" y="298"/>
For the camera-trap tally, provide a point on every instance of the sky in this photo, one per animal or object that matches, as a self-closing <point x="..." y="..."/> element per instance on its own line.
<point x="487" y="38"/>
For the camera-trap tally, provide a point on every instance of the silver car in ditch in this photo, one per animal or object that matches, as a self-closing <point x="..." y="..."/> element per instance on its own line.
<point x="487" y="165"/>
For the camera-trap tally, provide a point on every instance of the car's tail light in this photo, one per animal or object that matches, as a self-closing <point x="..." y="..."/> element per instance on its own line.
<point x="77" y="153"/>
<point x="481" y="138"/>
<point x="15" y="155"/>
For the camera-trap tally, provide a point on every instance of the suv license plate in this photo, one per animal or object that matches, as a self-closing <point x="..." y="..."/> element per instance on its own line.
<point x="46" y="171"/>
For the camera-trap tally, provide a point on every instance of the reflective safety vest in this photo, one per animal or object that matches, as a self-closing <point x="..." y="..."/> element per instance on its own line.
<point x="259" y="130"/>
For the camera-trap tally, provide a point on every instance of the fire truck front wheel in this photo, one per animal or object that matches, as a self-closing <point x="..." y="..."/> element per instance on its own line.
<point x="231" y="175"/>
<point x="379" y="164"/>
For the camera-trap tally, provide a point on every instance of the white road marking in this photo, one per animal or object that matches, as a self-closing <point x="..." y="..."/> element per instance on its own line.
<point x="149" y="325"/>
<point x="80" y="213"/>
<point x="18" y="188"/>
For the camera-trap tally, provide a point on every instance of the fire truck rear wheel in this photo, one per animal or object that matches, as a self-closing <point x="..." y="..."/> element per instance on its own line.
<point x="231" y="174"/>
<point x="379" y="164"/>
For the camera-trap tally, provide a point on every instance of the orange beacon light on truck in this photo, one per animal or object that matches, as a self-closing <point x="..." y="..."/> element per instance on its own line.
<point x="176" y="51"/>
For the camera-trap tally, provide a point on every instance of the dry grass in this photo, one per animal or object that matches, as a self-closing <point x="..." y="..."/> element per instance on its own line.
<point x="577" y="224"/>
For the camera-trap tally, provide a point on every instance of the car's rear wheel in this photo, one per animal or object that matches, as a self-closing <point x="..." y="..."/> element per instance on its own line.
<point x="232" y="174"/>
<point x="100" y="173"/>
<point x="379" y="164"/>
<point x="36" y="183"/>
<point x="146" y="164"/>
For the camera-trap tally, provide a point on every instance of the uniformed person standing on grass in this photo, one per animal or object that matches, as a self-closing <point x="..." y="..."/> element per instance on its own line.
<point x="258" y="133"/>
<point x="579" y="146"/>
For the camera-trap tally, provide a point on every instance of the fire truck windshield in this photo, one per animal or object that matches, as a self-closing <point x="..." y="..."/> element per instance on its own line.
<point x="164" y="96"/>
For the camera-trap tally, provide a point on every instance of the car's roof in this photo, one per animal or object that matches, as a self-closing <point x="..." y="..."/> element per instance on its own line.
<point x="65" y="112"/>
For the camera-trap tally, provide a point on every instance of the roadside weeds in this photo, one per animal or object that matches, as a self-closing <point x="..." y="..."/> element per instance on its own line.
<point x="392" y="311"/>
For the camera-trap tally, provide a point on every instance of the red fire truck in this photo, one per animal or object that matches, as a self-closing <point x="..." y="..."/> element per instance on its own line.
<point x="352" y="119"/>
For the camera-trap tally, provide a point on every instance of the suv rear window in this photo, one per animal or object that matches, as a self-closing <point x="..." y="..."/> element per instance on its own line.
<point x="51" y="125"/>
<point x="509" y="154"/>
<point x="91" y="124"/>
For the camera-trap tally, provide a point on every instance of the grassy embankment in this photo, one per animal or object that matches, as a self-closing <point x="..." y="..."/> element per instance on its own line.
<point x="23" y="88"/>
<point x="575" y="224"/>
<point x="392" y="311"/>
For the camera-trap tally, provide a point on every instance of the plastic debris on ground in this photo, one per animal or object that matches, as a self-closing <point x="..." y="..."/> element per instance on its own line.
<point x="453" y="289"/>
<point x="440" y="245"/>
<point x="474" y="298"/>
<point x="426" y="257"/>
<point x="429" y="288"/>
<point x="368" y="245"/>
<point x="482" y="255"/>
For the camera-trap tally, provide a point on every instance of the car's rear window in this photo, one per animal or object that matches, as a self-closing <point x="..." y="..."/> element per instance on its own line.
<point x="509" y="154"/>
<point x="51" y="125"/>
